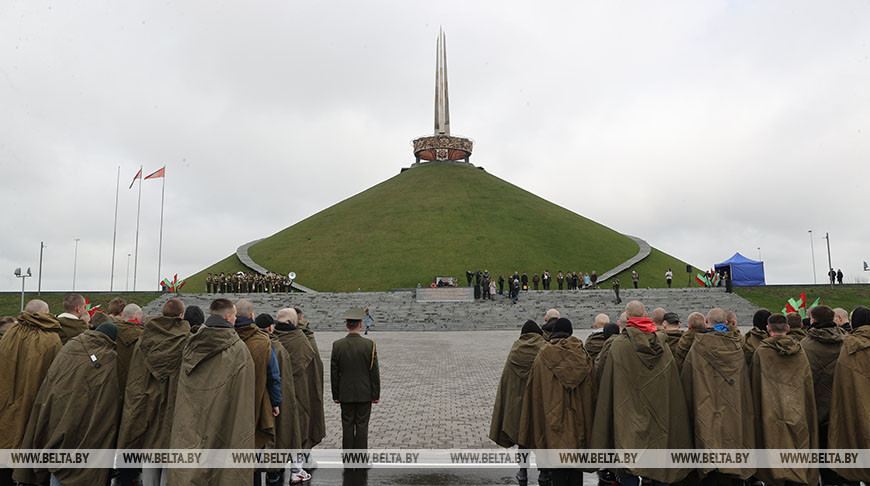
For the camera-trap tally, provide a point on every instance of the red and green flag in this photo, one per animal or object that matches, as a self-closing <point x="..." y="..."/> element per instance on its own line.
<point x="175" y="285"/>
<point x="92" y="309"/>
<point x="799" y="305"/>
<point x="708" y="279"/>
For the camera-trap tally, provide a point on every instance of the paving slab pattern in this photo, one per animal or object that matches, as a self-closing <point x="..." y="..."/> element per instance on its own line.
<point x="437" y="388"/>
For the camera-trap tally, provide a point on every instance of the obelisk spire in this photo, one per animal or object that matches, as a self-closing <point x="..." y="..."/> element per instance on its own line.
<point x="442" y="105"/>
<point x="442" y="147"/>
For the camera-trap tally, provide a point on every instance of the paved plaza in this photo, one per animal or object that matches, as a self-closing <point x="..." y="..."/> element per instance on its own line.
<point x="437" y="392"/>
<point x="437" y="388"/>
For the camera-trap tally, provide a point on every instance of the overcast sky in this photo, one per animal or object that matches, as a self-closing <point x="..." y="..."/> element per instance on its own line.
<point x="705" y="127"/>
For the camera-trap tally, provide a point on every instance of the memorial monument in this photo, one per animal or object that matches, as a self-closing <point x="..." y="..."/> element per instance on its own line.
<point x="442" y="218"/>
<point x="441" y="146"/>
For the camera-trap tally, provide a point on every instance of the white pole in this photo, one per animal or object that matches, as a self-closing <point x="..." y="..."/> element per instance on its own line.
<point x="75" y="264"/>
<point x="128" y="273"/>
<point x="160" y="247"/>
<point x="830" y="265"/>
<point x="39" y="286"/>
<point x="115" y="231"/>
<point x="22" y="292"/>
<point x="813" y="253"/>
<point x="138" y="211"/>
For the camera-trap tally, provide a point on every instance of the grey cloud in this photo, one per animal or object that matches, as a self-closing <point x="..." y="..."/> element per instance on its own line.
<point x="705" y="127"/>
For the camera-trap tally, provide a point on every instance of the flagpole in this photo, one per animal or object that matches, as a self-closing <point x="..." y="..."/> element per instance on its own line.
<point x="160" y="247"/>
<point x="115" y="231"/>
<point x="138" y="210"/>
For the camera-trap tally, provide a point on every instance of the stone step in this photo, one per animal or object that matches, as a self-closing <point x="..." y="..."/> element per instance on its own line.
<point x="400" y="310"/>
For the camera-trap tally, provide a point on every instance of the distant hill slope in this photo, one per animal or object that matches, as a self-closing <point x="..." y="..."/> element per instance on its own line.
<point x="438" y="220"/>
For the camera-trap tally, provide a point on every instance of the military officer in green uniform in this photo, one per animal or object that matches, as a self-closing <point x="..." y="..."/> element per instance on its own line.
<point x="356" y="382"/>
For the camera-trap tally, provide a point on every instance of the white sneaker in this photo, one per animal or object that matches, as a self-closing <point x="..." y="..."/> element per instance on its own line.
<point x="299" y="476"/>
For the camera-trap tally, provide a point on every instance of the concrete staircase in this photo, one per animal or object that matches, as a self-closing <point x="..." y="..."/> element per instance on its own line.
<point x="399" y="311"/>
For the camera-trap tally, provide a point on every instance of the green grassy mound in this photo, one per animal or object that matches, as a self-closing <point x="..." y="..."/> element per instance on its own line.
<point x="438" y="220"/>
<point x="774" y="298"/>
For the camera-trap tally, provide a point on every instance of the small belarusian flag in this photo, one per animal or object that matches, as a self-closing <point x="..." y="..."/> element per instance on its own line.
<point x="158" y="173"/>
<point x="175" y="285"/>
<point x="137" y="176"/>
<point x="799" y="305"/>
<point x="92" y="309"/>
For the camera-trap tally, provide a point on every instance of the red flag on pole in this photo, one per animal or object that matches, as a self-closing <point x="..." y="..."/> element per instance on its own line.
<point x="137" y="176"/>
<point x="158" y="173"/>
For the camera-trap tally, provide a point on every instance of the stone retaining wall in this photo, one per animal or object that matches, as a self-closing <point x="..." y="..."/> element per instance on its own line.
<point x="400" y="310"/>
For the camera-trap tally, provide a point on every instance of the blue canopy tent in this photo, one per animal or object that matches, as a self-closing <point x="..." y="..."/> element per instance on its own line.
<point x="743" y="270"/>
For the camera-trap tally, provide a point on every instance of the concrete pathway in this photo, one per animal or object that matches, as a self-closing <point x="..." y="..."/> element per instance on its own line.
<point x="643" y="251"/>
<point x="245" y="258"/>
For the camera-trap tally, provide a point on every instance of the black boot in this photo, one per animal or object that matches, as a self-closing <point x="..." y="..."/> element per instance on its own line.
<point x="522" y="476"/>
<point x="274" y="478"/>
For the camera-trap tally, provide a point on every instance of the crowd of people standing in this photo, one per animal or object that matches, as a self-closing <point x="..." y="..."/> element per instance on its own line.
<point x="486" y="285"/>
<point x="645" y="383"/>
<point x="124" y="380"/>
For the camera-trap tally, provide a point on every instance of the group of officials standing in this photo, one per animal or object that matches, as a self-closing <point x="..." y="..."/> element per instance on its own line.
<point x="176" y="381"/>
<point x="643" y="383"/>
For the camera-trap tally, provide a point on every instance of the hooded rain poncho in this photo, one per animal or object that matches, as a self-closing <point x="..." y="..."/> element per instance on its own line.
<point x="318" y="419"/>
<point x="304" y="378"/>
<point x="715" y="380"/>
<point x="152" y="382"/>
<point x="559" y="400"/>
<point x="782" y="392"/>
<point x="504" y="428"/>
<point x="78" y="407"/>
<point x="214" y="407"/>
<point x="26" y="352"/>
<point x="822" y="347"/>
<point x="849" y="426"/>
<point x="260" y="346"/>
<point x="641" y="403"/>
<point x="287" y="432"/>
<point x="594" y="343"/>
<point x="752" y="341"/>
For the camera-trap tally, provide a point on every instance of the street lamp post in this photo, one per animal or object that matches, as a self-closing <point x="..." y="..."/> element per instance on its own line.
<point x="39" y="280"/>
<point x="813" y="253"/>
<point x="75" y="263"/>
<point x="22" y="276"/>
<point x="830" y="265"/>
